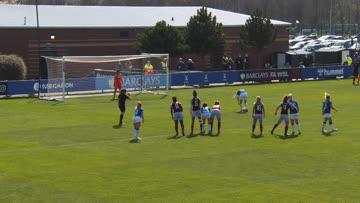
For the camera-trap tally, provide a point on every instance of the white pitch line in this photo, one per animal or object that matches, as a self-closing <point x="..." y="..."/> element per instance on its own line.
<point x="106" y="141"/>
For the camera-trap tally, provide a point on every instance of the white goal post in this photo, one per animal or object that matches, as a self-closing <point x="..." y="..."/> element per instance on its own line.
<point x="69" y="76"/>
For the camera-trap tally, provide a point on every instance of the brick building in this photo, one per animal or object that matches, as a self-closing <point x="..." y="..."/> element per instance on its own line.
<point x="105" y="30"/>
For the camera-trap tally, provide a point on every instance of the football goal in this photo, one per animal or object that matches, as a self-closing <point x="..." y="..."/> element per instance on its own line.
<point x="70" y="76"/>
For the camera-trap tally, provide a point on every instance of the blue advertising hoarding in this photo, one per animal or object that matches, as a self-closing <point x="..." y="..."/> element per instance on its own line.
<point x="26" y="87"/>
<point x="32" y="87"/>
<point x="269" y="75"/>
<point x="3" y="88"/>
<point x="326" y="72"/>
<point x="132" y="81"/>
<point x="204" y="78"/>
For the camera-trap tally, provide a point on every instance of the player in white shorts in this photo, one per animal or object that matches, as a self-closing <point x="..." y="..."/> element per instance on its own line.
<point x="138" y="118"/>
<point x="326" y="111"/>
<point x="215" y="113"/>
<point x="294" y="115"/>
<point x="205" y="116"/>
<point x="242" y="97"/>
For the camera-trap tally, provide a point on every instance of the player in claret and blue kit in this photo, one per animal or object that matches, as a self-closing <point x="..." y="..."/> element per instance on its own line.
<point x="138" y="118"/>
<point x="258" y="115"/>
<point x="284" y="116"/>
<point x="176" y="111"/>
<point x="294" y="115"/>
<point x="326" y="111"/>
<point x="195" y="112"/>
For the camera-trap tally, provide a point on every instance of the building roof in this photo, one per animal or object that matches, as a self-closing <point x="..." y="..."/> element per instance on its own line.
<point x="24" y="16"/>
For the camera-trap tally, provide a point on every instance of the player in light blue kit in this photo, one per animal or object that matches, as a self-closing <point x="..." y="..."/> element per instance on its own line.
<point x="294" y="115"/>
<point x="205" y="115"/>
<point x="242" y="97"/>
<point x="138" y="118"/>
<point x="326" y="111"/>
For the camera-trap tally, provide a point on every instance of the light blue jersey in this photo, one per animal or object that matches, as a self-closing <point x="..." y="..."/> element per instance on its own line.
<point x="205" y="110"/>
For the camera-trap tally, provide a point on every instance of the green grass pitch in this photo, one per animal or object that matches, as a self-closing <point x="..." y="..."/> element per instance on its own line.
<point x="70" y="152"/>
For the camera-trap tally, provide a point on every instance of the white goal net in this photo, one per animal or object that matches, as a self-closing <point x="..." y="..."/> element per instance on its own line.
<point x="88" y="75"/>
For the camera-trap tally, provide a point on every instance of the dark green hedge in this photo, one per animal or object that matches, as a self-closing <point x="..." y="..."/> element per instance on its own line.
<point x="12" y="67"/>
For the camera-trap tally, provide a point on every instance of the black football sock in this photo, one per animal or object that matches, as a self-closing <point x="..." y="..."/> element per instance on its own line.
<point x="121" y="118"/>
<point x="286" y="130"/>
<point x="176" y="127"/>
<point x="275" y="126"/>
<point x="219" y="127"/>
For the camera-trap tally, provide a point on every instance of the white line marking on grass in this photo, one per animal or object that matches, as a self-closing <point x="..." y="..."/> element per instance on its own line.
<point x="106" y="141"/>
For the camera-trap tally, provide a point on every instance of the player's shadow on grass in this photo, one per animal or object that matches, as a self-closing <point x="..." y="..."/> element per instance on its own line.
<point x="116" y="127"/>
<point x="134" y="141"/>
<point x="174" y="137"/>
<point x="288" y="137"/>
<point x="193" y="136"/>
<point x="257" y="136"/>
<point x="329" y="134"/>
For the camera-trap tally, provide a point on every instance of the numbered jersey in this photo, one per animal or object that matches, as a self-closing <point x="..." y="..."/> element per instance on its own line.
<point x="176" y="107"/>
<point x="259" y="108"/>
<point x="195" y="104"/>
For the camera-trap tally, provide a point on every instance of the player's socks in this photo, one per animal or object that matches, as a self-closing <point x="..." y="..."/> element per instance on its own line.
<point x="135" y="133"/>
<point x="253" y="129"/>
<point x="298" y="129"/>
<point x="192" y="129"/>
<point x="209" y="128"/>
<point x="286" y="131"/>
<point x="332" y="127"/>
<point x="219" y="127"/>
<point x="176" y="130"/>
<point x="275" y="126"/>
<point x="261" y="130"/>
<point x="323" y="127"/>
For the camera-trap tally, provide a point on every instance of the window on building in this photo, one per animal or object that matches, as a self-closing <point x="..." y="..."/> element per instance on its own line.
<point x="124" y="34"/>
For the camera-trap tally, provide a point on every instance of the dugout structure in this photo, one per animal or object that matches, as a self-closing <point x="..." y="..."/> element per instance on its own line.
<point x="70" y="76"/>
